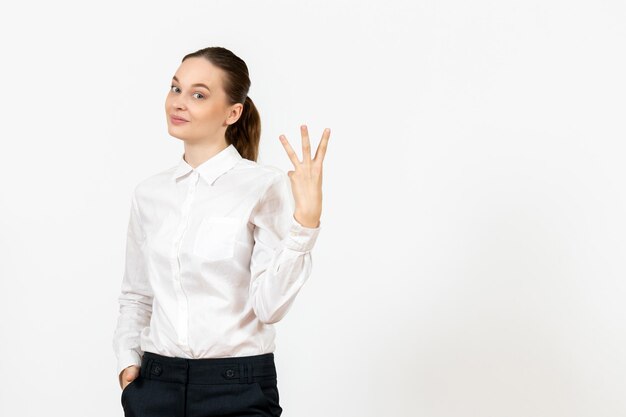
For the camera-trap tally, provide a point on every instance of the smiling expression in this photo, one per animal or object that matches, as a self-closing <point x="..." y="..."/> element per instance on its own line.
<point x="197" y="97"/>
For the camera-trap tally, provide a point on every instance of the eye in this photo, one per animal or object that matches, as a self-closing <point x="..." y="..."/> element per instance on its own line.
<point x="173" y="88"/>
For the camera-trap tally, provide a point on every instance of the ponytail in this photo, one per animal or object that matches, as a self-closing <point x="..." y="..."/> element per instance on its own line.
<point x="245" y="133"/>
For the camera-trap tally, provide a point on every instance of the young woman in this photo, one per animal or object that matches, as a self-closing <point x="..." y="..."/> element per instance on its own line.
<point x="218" y="247"/>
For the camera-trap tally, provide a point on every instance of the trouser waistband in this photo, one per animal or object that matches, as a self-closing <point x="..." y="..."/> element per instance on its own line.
<point x="228" y="370"/>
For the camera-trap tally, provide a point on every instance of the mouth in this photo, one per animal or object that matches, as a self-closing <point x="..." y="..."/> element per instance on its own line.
<point x="177" y="119"/>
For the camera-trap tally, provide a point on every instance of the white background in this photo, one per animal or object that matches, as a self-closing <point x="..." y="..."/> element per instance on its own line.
<point x="472" y="257"/>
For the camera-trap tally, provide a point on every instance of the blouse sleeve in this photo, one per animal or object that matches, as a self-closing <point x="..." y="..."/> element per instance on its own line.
<point x="281" y="257"/>
<point x="135" y="300"/>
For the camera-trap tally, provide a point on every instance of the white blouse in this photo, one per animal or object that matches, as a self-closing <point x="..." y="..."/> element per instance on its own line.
<point x="214" y="257"/>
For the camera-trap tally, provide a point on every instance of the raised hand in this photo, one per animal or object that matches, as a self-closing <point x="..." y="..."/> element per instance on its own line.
<point x="306" y="179"/>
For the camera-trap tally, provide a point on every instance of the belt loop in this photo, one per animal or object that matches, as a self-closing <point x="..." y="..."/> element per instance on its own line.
<point x="249" y="373"/>
<point x="148" y="369"/>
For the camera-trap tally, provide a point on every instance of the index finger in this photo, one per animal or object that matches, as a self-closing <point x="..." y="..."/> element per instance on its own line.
<point x="290" y="152"/>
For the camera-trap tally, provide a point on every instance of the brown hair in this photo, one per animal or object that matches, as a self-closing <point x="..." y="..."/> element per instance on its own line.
<point x="245" y="133"/>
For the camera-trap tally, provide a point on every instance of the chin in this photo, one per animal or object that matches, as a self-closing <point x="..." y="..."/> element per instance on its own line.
<point x="175" y="135"/>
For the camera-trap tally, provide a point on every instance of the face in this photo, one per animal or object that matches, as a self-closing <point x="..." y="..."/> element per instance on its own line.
<point x="197" y="97"/>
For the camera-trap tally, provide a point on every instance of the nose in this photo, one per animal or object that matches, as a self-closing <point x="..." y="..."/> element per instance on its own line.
<point x="177" y="103"/>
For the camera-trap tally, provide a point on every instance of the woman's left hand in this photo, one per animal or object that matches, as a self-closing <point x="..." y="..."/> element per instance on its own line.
<point x="306" y="180"/>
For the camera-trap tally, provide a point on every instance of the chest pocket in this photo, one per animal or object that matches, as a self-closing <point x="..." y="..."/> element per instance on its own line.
<point x="216" y="238"/>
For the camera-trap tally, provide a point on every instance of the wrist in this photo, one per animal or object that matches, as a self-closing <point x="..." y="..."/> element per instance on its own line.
<point x="309" y="222"/>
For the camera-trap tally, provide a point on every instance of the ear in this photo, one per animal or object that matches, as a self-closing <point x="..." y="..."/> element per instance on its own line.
<point x="234" y="113"/>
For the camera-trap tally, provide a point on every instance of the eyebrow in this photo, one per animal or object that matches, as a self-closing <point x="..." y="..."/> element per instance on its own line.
<point x="193" y="85"/>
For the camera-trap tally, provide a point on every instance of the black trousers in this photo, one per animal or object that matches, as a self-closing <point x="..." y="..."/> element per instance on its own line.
<point x="243" y="386"/>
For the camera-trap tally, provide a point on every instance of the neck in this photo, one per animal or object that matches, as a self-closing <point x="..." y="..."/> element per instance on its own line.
<point x="196" y="154"/>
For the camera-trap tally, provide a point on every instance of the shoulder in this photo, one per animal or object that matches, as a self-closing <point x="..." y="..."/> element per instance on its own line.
<point x="264" y="181"/>
<point x="262" y="174"/>
<point x="153" y="182"/>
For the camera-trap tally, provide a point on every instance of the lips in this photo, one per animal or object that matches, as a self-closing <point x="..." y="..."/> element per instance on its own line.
<point x="180" y="119"/>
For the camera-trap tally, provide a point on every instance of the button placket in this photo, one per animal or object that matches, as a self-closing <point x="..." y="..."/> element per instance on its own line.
<point x="183" y="313"/>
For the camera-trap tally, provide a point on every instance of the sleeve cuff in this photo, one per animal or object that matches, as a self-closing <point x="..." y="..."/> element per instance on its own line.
<point x="301" y="238"/>
<point x="127" y="359"/>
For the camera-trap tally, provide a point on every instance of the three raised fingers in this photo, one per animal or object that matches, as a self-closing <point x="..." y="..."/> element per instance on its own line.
<point x="320" y="152"/>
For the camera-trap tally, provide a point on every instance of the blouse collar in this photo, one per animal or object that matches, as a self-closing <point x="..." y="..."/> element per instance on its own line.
<point x="213" y="167"/>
